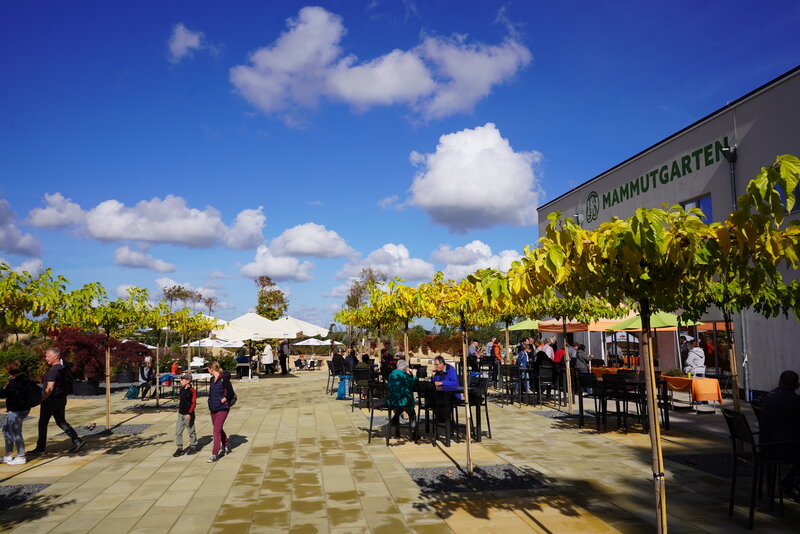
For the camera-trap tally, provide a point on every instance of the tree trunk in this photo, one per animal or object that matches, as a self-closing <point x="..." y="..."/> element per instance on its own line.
<point x="508" y="343"/>
<point x="737" y="403"/>
<point x="567" y="374"/>
<point x="659" y="483"/>
<point x="467" y="421"/>
<point x="108" y="383"/>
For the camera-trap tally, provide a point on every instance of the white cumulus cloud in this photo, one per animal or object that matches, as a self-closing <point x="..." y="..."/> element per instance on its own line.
<point x="393" y="260"/>
<point x="33" y="267"/>
<point x="171" y="221"/>
<point x="122" y="290"/>
<point x="310" y="239"/>
<point x="279" y="268"/>
<point x="126" y="257"/>
<point x="183" y="42"/>
<point x="475" y="179"/>
<point x="462" y="261"/>
<point x="246" y="231"/>
<point x="58" y="212"/>
<point x="12" y="239"/>
<point x="339" y="291"/>
<point x="437" y="78"/>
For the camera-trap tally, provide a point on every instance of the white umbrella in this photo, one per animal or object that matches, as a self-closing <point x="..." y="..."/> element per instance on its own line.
<point x="686" y="335"/>
<point x="292" y="324"/>
<point x="313" y="342"/>
<point x="214" y="343"/>
<point x="253" y="326"/>
<point x="139" y="342"/>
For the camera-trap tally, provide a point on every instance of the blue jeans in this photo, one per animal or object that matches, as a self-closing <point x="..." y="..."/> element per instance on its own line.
<point x="12" y="432"/>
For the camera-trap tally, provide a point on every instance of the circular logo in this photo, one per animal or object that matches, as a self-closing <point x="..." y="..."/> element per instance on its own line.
<point x="592" y="206"/>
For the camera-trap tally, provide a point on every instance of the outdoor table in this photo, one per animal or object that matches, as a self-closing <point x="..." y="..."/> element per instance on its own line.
<point x="701" y="389"/>
<point x="600" y="371"/>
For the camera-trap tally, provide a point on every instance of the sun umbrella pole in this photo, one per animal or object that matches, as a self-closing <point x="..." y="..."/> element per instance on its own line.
<point x="659" y="482"/>
<point x="567" y="374"/>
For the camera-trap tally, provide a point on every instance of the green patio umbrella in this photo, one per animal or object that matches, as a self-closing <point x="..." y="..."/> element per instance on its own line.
<point x="657" y="320"/>
<point x="527" y="324"/>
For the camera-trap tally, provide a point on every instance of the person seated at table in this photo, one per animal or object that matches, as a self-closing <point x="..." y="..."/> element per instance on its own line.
<point x="472" y="357"/>
<point x="583" y="361"/>
<point x="365" y="363"/>
<point x="338" y="364"/>
<point x="696" y="360"/>
<point x="401" y="385"/>
<point x="780" y="422"/>
<point x="300" y="363"/>
<point x="351" y="361"/>
<point x="388" y="363"/>
<point x="444" y="376"/>
<point x="242" y="364"/>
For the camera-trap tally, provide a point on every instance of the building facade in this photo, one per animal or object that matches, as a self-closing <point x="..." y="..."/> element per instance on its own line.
<point x="707" y="165"/>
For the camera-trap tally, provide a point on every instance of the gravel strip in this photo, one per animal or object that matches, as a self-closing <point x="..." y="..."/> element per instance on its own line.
<point x="557" y="414"/>
<point x="92" y="430"/>
<point x="13" y="495"/>
<point x="438" y="480"/>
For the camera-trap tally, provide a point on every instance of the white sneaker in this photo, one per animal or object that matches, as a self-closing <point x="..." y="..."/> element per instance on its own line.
<point x="19" y="460"/>
<point x="6" y="459"/>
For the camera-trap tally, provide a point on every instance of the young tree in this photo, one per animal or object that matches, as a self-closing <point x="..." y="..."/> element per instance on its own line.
<point x="272" y="302"/>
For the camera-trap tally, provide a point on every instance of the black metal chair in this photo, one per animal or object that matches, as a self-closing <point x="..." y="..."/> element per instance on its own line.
<point x="747" y="450"/>
<point x="331" y="381"/>
<point x="483" y="390"/>
<point x="589" y="387"/>
<point x="617" y="390"/>
<point x="360" y="386"/>
<point x="377" y="401"/>
<point x="545" y="379"/>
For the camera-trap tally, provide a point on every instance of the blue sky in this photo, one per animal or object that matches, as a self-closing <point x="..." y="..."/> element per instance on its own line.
<point x="151" y="143"/>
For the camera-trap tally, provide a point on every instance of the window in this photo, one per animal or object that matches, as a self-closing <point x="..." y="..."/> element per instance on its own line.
<point x="702" y="202"/>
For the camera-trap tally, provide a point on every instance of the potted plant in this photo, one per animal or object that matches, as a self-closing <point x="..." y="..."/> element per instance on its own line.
<point x="126" y="358"/>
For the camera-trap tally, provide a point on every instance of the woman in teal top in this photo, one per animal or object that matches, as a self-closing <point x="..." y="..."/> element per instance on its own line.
<point x="401" y="385"/>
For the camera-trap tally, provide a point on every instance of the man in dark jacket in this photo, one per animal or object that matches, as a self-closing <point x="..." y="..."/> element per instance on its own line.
<point x="54" y="403"/>
<point x="187" y="401"/>
<point x="283" y="356"/>
<point x="780" y="422"/>
<point x="338" y="364"/>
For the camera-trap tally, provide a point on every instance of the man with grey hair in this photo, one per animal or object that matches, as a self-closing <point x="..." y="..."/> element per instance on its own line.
<point x="54" y="402"/>
<point x="401" y="384"/>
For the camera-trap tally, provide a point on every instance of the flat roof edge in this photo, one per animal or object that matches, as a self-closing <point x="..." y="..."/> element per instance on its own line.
<point x="696" y="123"/>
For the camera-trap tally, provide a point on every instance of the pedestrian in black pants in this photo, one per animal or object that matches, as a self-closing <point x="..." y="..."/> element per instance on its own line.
<point x="54" y="403"/>
<point x="283" y="356"/>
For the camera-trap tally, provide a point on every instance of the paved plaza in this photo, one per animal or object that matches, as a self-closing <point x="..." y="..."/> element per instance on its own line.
<point x="301" y="463"/>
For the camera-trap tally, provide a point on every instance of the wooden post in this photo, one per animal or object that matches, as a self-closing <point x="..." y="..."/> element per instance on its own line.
<point x="659" y="483"/>
<point x="108" y="383"/>
<point x="567" y="374"/>
<point x="465" y="373"/>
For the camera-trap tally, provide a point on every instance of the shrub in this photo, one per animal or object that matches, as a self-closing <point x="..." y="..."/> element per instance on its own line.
<point x="86" y="353"/>
<point x="33" y="364"/>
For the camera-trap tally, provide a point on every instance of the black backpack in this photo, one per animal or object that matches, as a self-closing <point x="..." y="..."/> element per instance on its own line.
<point x="32" y="393"/>
<point x="68" y="379"/>
<point x="233" y="398"/>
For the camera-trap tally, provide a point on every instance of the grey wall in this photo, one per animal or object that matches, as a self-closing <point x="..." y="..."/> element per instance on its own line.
<point x="764" y="125"/>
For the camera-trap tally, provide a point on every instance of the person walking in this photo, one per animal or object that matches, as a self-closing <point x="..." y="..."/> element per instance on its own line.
<point x="267" y="359"/>
<point x="220" y="398"/>
<point x="17" y="393"/>
<point x="187" y="401"/>
<point x="283" y="356"/>
<point x="54" y="402"/>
